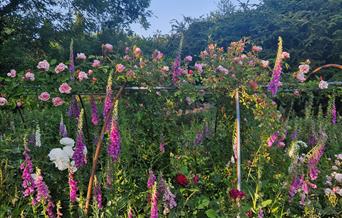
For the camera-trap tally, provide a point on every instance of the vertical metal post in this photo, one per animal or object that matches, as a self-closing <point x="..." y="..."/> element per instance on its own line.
<point x="238" y="165"/>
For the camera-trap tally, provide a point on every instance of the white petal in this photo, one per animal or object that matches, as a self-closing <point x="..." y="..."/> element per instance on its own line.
<point x="67" y="141"/>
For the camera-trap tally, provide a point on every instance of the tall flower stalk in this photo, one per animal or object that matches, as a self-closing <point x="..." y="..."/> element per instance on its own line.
<point x="154" y="201"/>
<point x="27" y="170"/>
<point x="62" y="128"/>
<point x="72" y="187"/>
<point x="74" y="109"/>
<point x="71" y="60"/>
<point x="94" y="112"/>
<point x="333" y="113"/>
<point x="98" y="194"/>
<point x="277" y="70"/>
<point x="79" y="155"/>
<point x="113" y="148"/>
<point x="109" y="95"/>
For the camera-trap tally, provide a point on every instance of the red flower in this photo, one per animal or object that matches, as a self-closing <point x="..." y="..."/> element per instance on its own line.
<point x="190" y="72"/>
<point x="236" y="194"/>
<point x="181" y="180"/>
<point x="249" y="214"/>
<point x="195" y="179"/>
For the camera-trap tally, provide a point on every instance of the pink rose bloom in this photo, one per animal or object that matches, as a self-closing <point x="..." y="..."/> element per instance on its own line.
<point x="3" y="101"/>
<point x="90" y="72"/>
<point x="81" y="56"/>
<point x="127" y="58"/>
<point x="157" y="55"/>
<point x="108" y="47"/>
<point x="243" y="56"/>
<point x="43" y="65"/>
<point x="137" y="52"/>
<point x="65" y="88"/>
<point x="256" y="48"/>
<point x="29" y="76"/>
<point x="60" y="68"/>
<point x="285" y="55"/>
<point x="57" y="101"/>
<point x="165" y="69"/>
<point x="204" y="54"/>
<point x="300" y="77"/>
<point x="44" y="96"/>
<point x="96" y="63"/>
<point x="323" y="84"/>
<point x="304" y="68"/>
<point x="264" y="64"/>
<point x="120" y="68"/>
<point x="82" y="75"/>
<point x="188" y="58"/>
<point x="12" y="73"/>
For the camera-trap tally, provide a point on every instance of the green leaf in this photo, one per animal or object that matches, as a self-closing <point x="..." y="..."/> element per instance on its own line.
<point x="53" y="62"/>
<point x="211" y="213"/>
<point x="266" y="203"/>
<point x="203" y="203"/>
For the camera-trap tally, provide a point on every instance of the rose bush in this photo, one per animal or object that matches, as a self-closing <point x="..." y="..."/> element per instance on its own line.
<point x="176" y="134"/>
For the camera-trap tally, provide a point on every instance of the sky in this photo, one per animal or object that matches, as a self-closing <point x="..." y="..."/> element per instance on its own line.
<point x="166" y="10"/>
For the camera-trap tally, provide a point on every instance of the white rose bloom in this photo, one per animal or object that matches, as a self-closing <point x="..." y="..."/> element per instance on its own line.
<point x="338" y="177"/>
<point x="60" y="158"/>
<point x="67" y="141"/>
<point x="69" y="151"/>
<point x="323" y="84"/>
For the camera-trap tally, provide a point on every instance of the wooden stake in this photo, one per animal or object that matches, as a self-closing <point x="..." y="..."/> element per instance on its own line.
<point x="97" y="151"/>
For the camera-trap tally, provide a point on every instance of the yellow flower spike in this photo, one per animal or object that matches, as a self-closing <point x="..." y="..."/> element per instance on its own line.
<point x="116" y="110"/>
<point x="109" y="82"/>
<point x="80" y="121"/>
<point x="279" y="53"/>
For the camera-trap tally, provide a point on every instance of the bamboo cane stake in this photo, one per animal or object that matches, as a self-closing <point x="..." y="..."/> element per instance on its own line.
<point x="97" y="151"/>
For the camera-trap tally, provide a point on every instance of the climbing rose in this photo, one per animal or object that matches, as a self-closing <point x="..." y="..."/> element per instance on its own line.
<point x="60" y="68"/>
<point x="57" y="101"/>
<point x="120" y="68"/>
<point x="12" y="73"/>
<point x="44" y="96"/>
<point x="323" y="84"/>
<point x="137" y="52"/>
<point x="285" y="55"/>
<point x="96" y="63"/>
<point x="304" y="68"/>
<point x="188" y="58"/>
<point x="256" y="48"/>
<point x="81" y="56"/>
<point x="181" y="180"/>
<point x="3" y="101"/>
<point x="64" y="88"/>
<point x="300" y="77"/>
<point x="82" y="75"/>
<point x="264" y="64"/>
<point x="43" y="65"/>
<point x="29" y="76"/>
<point x="107" y="47"/>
